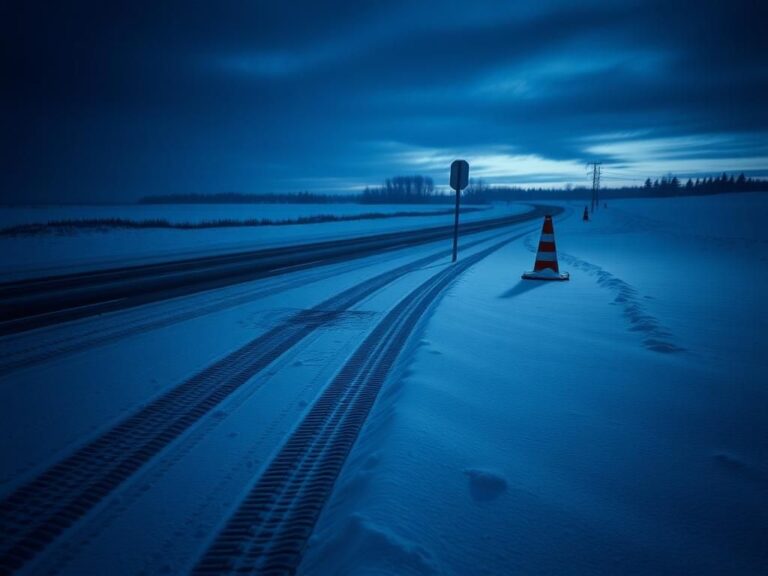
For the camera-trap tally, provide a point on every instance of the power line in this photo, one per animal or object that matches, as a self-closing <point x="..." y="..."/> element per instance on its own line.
<point x="595" y="183"/>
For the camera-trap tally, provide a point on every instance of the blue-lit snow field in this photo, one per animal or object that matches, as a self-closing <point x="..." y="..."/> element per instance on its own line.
<point x="398" y="414"/>
<point x="613" y="424"/>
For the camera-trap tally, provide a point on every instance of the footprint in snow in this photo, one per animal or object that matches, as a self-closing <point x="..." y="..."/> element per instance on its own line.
<point x="657" y="339"/>
<point x="734" y="465"/>
<point x="661" y="346"/>
<point x="485" y="485"/>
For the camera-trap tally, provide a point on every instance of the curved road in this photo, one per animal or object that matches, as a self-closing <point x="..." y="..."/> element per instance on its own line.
<point x="42" y="509"/>
<point x="29" y="304"/>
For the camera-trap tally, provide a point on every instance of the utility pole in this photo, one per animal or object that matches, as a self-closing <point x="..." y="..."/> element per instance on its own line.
<point x="595" y="183"/>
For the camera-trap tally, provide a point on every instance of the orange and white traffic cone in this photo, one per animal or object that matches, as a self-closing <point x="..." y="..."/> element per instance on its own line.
<point x="546" y="267"/>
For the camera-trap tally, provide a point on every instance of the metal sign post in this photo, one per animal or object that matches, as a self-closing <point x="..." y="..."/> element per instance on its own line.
<point x="459" y="181"/>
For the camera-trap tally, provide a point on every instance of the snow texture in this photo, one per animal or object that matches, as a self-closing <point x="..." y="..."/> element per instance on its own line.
<point x="92" y="249"/>
<point x="613" y="424"/>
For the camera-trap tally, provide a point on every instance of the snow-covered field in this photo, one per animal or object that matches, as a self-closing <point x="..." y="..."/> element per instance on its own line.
<point x="613" y="424"/>
<point x="57" y="254"/>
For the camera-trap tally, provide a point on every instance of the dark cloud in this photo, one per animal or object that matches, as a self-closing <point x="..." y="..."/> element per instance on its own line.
<point x="108" y="102"/>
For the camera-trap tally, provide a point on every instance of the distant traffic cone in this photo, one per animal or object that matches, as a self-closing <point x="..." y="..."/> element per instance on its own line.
<point x="586" y="214"/>
<point x="546" y="267"/>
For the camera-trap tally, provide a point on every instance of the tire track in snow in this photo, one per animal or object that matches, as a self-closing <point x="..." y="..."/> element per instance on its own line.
<point x="268" y="532"/>
<point x="37" y="302"/>
<point x="28" y="349"/>
<point x="40" y="511"/>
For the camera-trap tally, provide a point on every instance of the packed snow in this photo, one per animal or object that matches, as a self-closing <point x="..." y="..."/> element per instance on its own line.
<point x="616" y="423"/>
<point x="613" y="424"/>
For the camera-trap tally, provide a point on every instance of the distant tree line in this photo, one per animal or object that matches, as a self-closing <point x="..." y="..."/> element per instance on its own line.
<point x="419" y="189"/>
<point x="401" y="190"/>
<point x="415" y="189"/>
<point x="671" y="186"/>
<point x="668" y="185"/>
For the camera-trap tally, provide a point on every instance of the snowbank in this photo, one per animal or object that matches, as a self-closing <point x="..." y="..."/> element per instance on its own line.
<point x="613" y="424"/>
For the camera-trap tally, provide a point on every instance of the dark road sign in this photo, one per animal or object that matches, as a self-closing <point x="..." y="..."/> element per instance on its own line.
<point x="459" y="174"/>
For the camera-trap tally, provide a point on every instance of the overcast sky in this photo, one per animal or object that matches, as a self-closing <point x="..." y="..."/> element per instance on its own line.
<point x="110" y="101"/>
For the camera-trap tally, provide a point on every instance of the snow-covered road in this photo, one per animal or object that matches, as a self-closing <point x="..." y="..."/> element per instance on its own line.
<point x="613" y="424"/>
<point x="135" y="426"/>
<point x="49" y="254"/>
<point x="31" y="303"/>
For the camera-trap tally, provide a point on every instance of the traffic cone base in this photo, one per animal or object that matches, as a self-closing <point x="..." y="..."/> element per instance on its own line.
<point x="546" y="274"/>
<point x="546" y="267"/>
